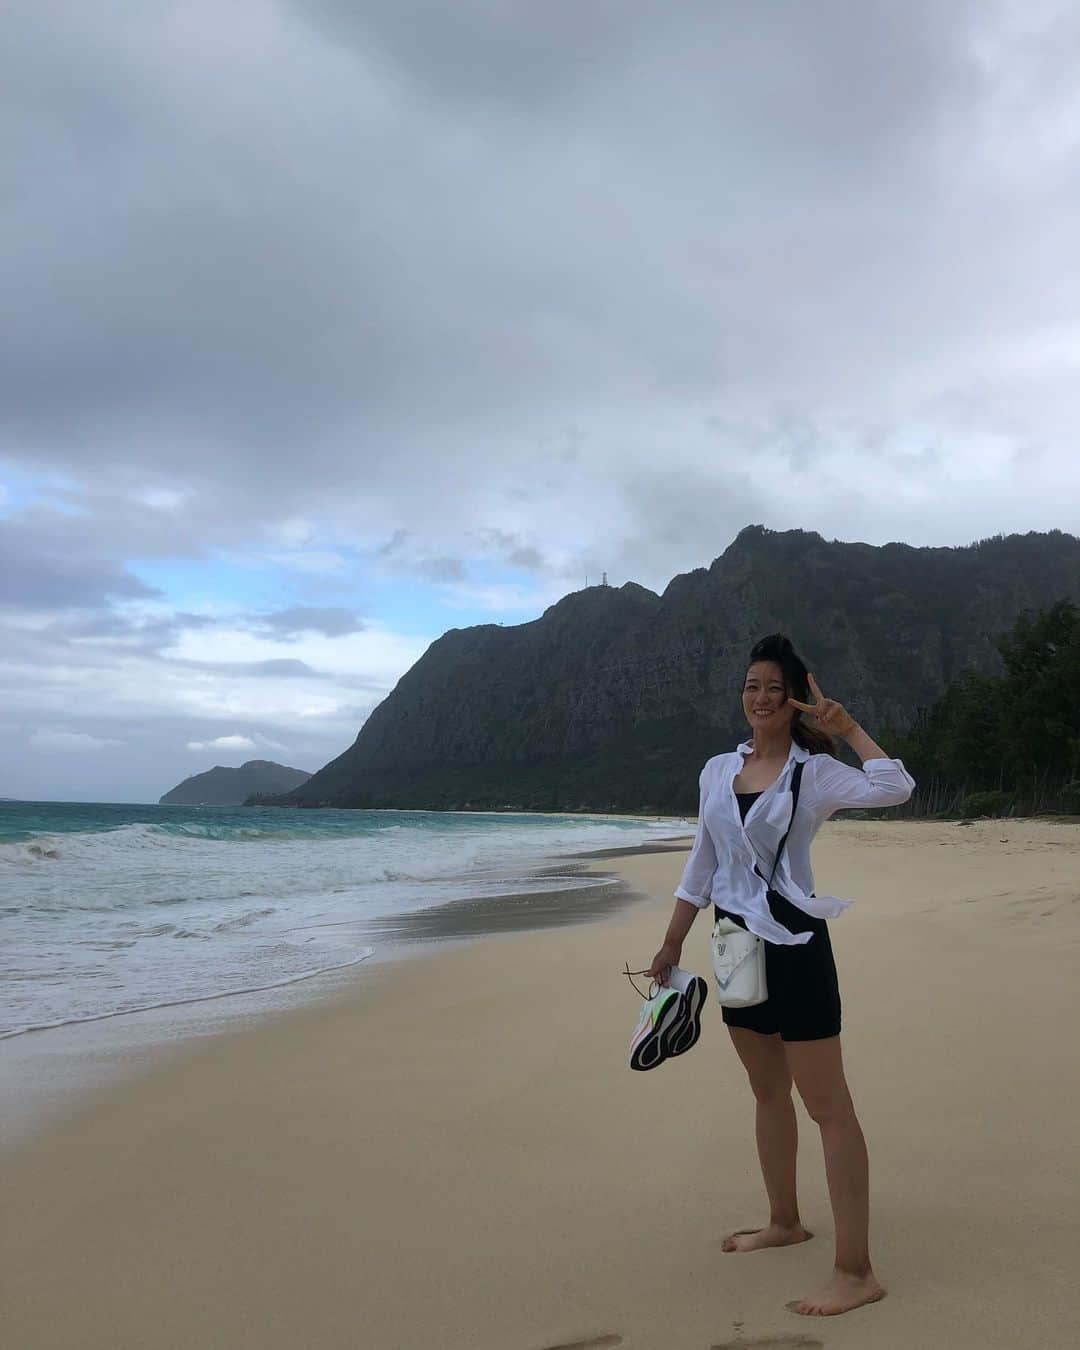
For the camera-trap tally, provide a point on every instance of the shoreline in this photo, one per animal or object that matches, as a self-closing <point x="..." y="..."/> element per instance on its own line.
<point x="49" y="1072"/>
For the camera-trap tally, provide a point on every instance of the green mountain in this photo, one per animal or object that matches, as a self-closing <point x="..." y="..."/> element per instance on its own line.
<point x="232" y="787"/>
<point x="615" y="697"/>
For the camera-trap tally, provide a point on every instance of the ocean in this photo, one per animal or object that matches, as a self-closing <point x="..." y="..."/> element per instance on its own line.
<point x="113" y="909"/>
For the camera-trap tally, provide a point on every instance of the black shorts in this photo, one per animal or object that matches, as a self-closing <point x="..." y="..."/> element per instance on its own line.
<point x="804" y="994"/>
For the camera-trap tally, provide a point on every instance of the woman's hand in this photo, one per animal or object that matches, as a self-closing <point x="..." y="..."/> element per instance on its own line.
<point x="668" y="956"/>
<point x="832" y="717"/>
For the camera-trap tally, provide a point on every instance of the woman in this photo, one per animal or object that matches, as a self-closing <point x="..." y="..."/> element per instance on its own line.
<point x="795" y="1034"/>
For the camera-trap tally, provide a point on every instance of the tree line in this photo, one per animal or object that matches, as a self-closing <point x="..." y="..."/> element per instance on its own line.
<point x="1004" y="745"/>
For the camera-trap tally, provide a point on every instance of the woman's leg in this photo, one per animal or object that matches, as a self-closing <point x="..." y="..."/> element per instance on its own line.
<point x="777" y="1140"/>
<point x="818" y="1070"/>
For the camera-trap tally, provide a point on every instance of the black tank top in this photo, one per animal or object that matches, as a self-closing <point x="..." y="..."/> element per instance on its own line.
<point x="746" y="801"/>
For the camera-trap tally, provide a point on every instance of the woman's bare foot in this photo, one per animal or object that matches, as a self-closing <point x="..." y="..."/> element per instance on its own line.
<point x="753" y="1239"/>
<point x="840" y="1295"/>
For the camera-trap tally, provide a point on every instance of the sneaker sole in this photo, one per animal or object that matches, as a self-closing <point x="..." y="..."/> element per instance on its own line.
<point x="651" y="1050"/>
<point x="684" y="1034"/>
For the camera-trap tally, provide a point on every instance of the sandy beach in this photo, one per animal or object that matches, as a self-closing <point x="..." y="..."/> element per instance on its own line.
<point x="452" y="1152"/>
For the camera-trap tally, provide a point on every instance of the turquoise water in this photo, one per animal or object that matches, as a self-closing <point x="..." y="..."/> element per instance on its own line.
<point x="23" y="821"/>
<point x="113" y="908"/>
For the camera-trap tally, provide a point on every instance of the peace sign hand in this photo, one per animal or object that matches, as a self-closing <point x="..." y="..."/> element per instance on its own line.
<point x="831" y="716"/>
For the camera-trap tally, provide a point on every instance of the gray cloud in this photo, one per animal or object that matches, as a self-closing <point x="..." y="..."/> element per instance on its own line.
<point x="495" y="58"/>
<point x="700" y="202"/>
<point x="108" y="625"/>
<point x="403" y="552"/>
<point x="509" y="548"/>
<point x="325" y="619"/>
<point x="441" y="569"/>
<point x="276" y="668"/>
<point x="47" y="562"/>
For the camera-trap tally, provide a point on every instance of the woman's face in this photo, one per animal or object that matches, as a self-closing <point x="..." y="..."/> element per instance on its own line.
<point x="764" y="698"/>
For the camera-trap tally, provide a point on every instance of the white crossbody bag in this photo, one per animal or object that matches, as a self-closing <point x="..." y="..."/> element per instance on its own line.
<point x="738" y="955"/>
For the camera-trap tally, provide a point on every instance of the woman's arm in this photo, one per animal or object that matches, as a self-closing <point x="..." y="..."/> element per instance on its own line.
<point x="695" y="884"/>
<point x="881" y="781"/>
<point x="670" y="954"/>
<point x="863" y="746"/>
<point x="692" y="892"/>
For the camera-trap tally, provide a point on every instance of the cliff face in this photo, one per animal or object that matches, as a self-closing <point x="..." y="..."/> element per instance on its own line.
<point x="231" y="787"/>
<point x="614" y="698"/>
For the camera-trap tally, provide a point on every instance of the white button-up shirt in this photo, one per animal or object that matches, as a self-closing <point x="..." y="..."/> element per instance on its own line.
<point x="720" y="868"/>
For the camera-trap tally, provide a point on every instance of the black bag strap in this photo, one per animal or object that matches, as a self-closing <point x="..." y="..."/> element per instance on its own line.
<point x="796" y="780"/>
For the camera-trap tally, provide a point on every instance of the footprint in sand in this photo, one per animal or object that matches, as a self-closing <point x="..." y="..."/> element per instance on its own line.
<point x="795" y="1341"/>
<point x="782" y="1341"/>
<point x="592" y="1343"/>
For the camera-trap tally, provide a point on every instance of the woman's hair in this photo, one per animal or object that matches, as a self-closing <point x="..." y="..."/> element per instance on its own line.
<point x="776" y="647"/>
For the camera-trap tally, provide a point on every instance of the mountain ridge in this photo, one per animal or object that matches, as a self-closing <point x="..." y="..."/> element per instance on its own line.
<point x="614" y="697"/>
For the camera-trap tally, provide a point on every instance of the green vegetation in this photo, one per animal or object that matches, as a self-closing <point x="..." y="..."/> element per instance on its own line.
<point x="1005" y="745"/>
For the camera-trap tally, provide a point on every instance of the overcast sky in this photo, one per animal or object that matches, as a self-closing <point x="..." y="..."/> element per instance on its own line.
<point x="329" y="325"/>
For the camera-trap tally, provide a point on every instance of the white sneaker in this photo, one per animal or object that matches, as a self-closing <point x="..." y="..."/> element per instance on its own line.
<point x="648" y="1045"/>
<point x="685" y="1030"/>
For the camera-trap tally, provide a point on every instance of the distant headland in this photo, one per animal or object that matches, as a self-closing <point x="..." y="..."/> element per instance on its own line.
<point x="231" y="787"/>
